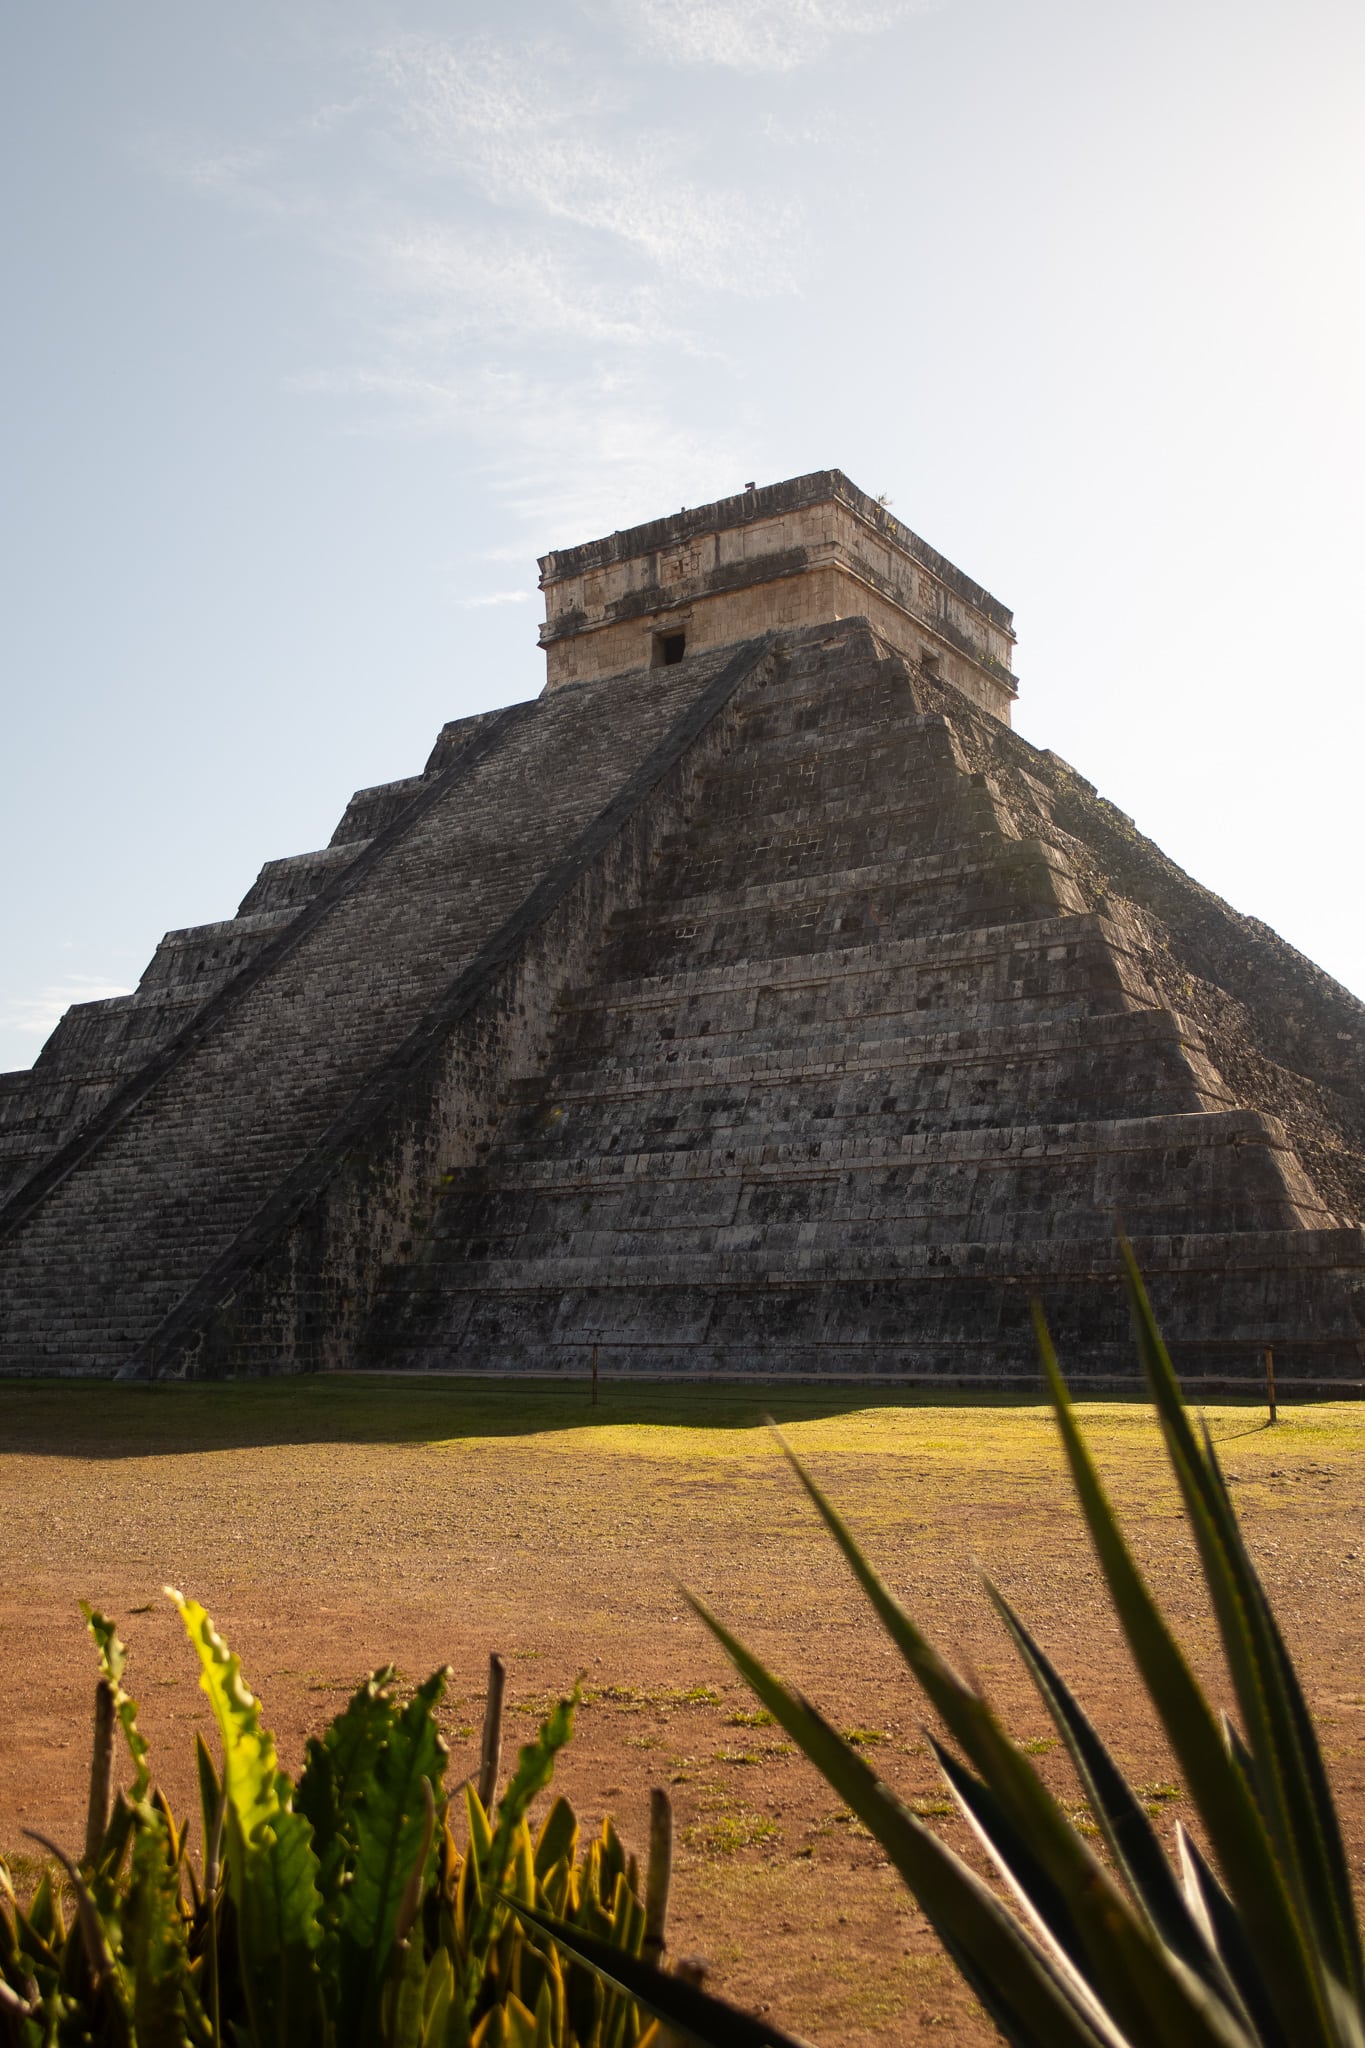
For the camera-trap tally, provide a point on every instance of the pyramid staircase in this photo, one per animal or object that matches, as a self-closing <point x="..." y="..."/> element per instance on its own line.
<point x="208" y="1155"/>
<point x="862" y="1070"/>
<point x="777" y="1012"/>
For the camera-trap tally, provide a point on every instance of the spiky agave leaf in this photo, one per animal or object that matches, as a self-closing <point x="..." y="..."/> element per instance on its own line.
<point x="1291" y="1783"/>
<point x="1033" y="1999"/>
<point x="1122" y="1819"/>
<point x="1227" y="1803"/>
<point x="1272" y="1959"/>
<point x="1141" y="1984"/>
<point x="1210" y="1905"/>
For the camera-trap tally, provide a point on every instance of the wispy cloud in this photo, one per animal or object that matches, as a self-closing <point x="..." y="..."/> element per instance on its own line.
<point x="37" y="1014"/>
<point x="753" y="35"/>
<point x="482" y="109"/>
<point x="606" y="452"/>
<point x="263" y="178"/>
<point x="460" y="283"/>
<point x="539" y="238"/>
<point x="244" y="168"/>
<point x="566" y="455"/>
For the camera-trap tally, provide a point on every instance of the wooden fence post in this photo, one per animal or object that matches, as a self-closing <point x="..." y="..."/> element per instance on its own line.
<point x="101" y="1805"/>
<point x="492" y="1733"/>
<point x="659" y="1876"/>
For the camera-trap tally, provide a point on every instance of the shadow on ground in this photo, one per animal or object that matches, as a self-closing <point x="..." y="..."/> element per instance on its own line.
<point x="104" y="1419"/>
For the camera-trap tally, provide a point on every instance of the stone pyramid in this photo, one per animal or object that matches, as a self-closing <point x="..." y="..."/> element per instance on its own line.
<point x="754" y="1001"/>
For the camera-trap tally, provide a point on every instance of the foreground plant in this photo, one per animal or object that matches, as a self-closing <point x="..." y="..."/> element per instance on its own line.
<point x="335" y="1913"/>
<point x="1257" y="1948"/>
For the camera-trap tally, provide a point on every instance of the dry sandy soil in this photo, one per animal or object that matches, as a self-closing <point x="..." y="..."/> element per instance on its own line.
<point x="332" y="1525"/>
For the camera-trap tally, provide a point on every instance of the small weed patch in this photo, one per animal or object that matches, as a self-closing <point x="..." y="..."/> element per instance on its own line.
<point x="723" y="1834"/>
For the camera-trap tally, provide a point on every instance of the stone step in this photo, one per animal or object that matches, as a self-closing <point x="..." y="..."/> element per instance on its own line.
<point x="289" y="883"/>
<point x="1306" y="1368"/>
<point x="902" y="1087"/>
<point x="870" y="704"/>
<point x="844" y="1152"/>
<point x="741" y="1055"/>
<point x="1245" y="1253"/>
<point x="836" y="1230"/>
<point x="873" y="707"/>
<point x="1020" y="879"/>
<point x="796" y="681"/>
<point x="800" y="1124"/>
<point x="981" y="1097"/>
<point x="1041" y="959"/>
<point x="953" y="831"/>
<point x="957" y="869"/>
<point x="777" y="767"/>
<point x="797" y="1025"/>
<point x="897" y="813"/>
<point x="995" y="1201"/>
<point x="937" y="1310"/>
<point x="794" y="774"/>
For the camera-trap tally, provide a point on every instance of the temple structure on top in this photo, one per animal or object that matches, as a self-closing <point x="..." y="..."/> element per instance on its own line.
<point x="794" y="554"/>
<point x="753" y="1001"/>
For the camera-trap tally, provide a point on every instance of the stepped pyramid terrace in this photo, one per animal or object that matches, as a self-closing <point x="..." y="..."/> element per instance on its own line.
<point x="754" y="1001"/>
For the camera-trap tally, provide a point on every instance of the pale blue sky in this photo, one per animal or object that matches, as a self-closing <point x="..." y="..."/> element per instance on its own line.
<point x="325" y="319"/>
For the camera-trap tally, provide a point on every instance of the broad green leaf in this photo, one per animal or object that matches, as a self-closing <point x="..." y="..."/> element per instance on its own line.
<point x="337" y="1766"/>
<point x="534" y="1771"/>
<point x="519" y="2024"/>
<point x="558" y="1838"/>
<point x="437" y="1992"/>
<point x="388" y="1814"/>
<point x="154" y="1953"/>
<point x="271" y="1869"/>
<point x="91" y="1950"/>
<point x="43" y="1922"/>
<point x="210" y="1804"/>
<point x="405" y="2001"/>
<point x="113" y="1656"/>
<point x="545" y="2017"/>
<point x="521" y="1877"/>
<point x="480" y="1830"/>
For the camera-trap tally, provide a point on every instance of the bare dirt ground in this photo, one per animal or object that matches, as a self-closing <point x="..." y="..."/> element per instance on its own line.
<point x="330" y="1525"/>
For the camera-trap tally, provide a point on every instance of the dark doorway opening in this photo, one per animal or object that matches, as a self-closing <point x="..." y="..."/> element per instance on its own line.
<point x="669" y="648"/>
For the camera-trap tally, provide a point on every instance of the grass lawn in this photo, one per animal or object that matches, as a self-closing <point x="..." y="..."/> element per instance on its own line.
<point x="332" y="1524"/>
